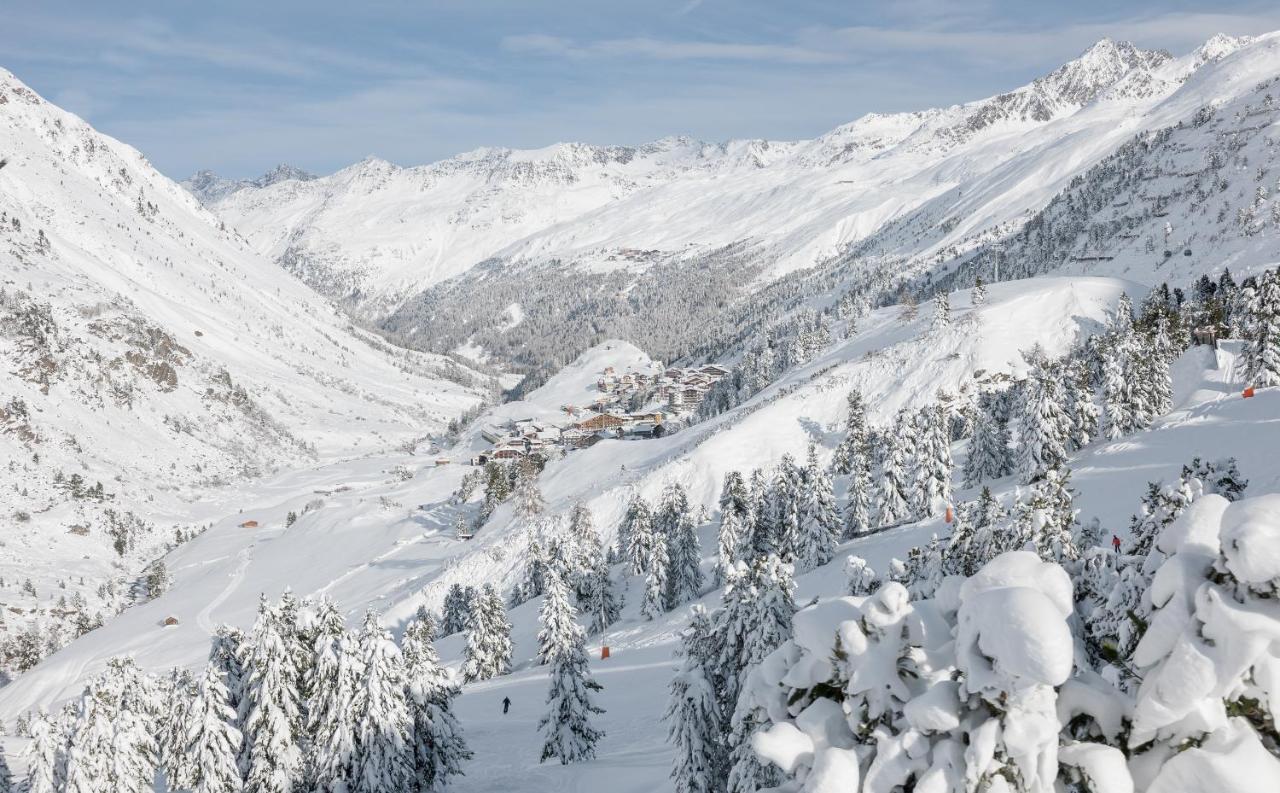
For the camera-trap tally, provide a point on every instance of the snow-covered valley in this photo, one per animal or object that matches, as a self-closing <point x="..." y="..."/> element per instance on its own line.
<point x="1030" y="512"/>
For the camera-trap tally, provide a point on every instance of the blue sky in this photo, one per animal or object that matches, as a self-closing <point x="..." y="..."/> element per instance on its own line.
<point x="240" y="86"/>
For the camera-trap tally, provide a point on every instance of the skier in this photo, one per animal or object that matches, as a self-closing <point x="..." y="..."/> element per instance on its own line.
<point x="1115" y="543"/>
<point x="506" y="705"/>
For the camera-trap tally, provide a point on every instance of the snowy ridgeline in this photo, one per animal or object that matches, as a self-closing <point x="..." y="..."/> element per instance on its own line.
<point x="991" y="683"/>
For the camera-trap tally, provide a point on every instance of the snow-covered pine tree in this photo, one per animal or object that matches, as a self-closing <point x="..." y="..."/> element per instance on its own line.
<point x="456" y="605"/>
<point x="227" y="651"/>
<point x="212" y="741"/>
<point x="819" y="523"/>
<point x="988" y="456"/>
<point x="587" y="552"/>
<point x="853" y="446"/>
<point x="171" y="728"/>
<point x="1262" y="331"/>
<point x="89" y="744"/>
<point x="733" y="537"/>
<point x="488" y="649"/>
<point x="892" y="503"/>
<point x="655" y="579"/>
<point x="988" y="516"/>
<point x="331" y="712"/>
<point x="383" y="754"/>
<point x="785" y="495"/>
<point x="529" y="501"/>
<point x="45" y="754"/>
<point x="1080" y="405"/>
<point x="1056" y="517"/>
<point x="933" y="461"/>
<point x="979" y="292"/>
<point x="437" y="746"/>
<point x="637" y="535"/>
<point x="764" y="535"/>
<point x="270" y="759"/>
<point x="1043" y="425"/>
<point x="111" y="745"/>
<point x="535" y="571"/>
<point x="552" y="617"/>
<point x="684" y="568"/>
<point x="857" y="510"/>
<point x="754" y="620"/>
<point x="568" y="733"/>
<point x="860" y="578"/>
<point x="693" y="716"/>
<point x="601" y="605"/>
<point x="941" y="311"/>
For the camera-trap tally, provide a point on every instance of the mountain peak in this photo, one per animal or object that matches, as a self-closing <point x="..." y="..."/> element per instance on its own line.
<point x="1078" y="81"/>
<point x="283" y="173"/>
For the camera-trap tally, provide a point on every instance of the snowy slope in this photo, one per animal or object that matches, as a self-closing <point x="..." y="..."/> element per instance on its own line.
<point x="146" y="348"/>
<point x="376" y="232"/>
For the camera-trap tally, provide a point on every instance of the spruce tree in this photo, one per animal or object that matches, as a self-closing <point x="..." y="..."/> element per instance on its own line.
<point x="1261" y="327"/>
<point x="820" y="525"/>
<point x="535" y="571"/>
<point x="587" y="552"/>
<point x="853" y="447"/>
<point x="788" y="486"/>
<point x="941" y="311"/>
<point x="684" y="570"/>
<point x="859" y="577"/>
<point x="601" y="605"/>
<point x="454" y="618"/>
<point x="46" y="761"/>
<point x="212" y="742"/>
<point x="227" y="651"/>
<point x="556" y="611"/>
<point x="383" y="754"/>
<point x="754" y="621"/>
<point x="529" y="501"/>
<point x="568" y="735"/>
<point x="437" y="746"/>
<point x="638" y="530"/>
<point x="179" y="693"/>
<point x="488" y="649"/>
<point x="734" y="535"/>
<point x="655" y="581"/>
<point x="693" y="716"/>
<point x="763" y="538"/>
<point x="1043" y="425"/>
<point x="857" y="510"/>
<point x="270" y="758"/>
<point x="892" y="502"/>
<point x="988" y="448"/>
<point x="332" y="712"/>
<point x="933" y="461"/>
<point x="1116" y="408"/>
<point x="1080" y="405"/>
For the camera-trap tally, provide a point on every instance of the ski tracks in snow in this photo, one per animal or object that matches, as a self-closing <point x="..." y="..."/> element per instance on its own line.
<point x="237" y="577"/>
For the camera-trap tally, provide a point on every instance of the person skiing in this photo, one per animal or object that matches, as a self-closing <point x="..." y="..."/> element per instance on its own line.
<point x="1115" y="543"/>
<point x="506" y="705"/>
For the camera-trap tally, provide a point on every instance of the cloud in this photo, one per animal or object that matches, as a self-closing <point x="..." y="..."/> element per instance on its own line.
<point x="667" y="50"/>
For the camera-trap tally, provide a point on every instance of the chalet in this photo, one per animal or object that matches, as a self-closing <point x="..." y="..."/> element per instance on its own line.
<point x="249" y="524"/>
<point x="170" y="620"/>
<point x="508" y="450"/>
<point x="601" y="421"/>
<point x="714" y="371"/>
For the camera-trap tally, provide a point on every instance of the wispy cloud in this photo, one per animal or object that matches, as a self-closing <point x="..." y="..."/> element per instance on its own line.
<point x="666" y="50"/>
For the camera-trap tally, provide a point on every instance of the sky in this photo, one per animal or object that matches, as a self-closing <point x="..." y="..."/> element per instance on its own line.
<point x="238" y="87"/>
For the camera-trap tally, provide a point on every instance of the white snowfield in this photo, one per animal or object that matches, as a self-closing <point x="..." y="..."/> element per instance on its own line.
<point x="388" y="544"/>
<point x="146" y="348"/>
<point x="980" y="168"/>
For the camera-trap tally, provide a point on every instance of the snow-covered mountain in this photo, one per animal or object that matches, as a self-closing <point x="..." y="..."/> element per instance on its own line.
<point x="376" y="235"/>
<point x="151" y="360"/>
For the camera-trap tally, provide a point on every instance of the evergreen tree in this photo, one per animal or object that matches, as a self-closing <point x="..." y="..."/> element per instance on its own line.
<point x="172" y="728"/>
<point x="1043" y="425"/>
<point x="933" y="461"/>
<point x="733" y="538"/>
<point x="456" y="608"/>
<point x="270" y="758"/>
<point x="857" y="510"/>
<point x="535" y="572"/>
<point x="111" y="745"/>
<point x="1056" y="518"/>
<point x="46" y="760"/>
<point x="655" y="581"/>
<point x="853" y="447"/>
<point x="332" y="713"/>
<point x="529" y="501"/>
<point x="555" y="612"/>
<point x="1080" y="404"/>
<point x="891" y="506"/>
<point x="819" y="524"/>
<point x="212" y="741"/>
<point x="979" y="292"/>
<point x="764" y="533"/>
<point x="941" y="311"/>
<point x="587" y="553"/>
<point x="754" y="621"/>
<point x="692" y="715"/>
<point x="383" y="754"/>
<point x="437" y="747"/>
<point x="1261" y="325"/>
<point x="684" y="570"/>
<point x="227" y="652"/>
<point x="568" y="734"/>
<point x="1116" y="408"/>
<point x="988" y="448"/>
<point x="601" y="605"/>
<point x="788" y="488"/>
<point x="488" y="649"/>
<point x="638" y="532"/>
